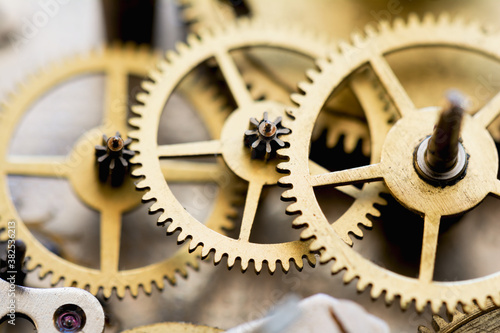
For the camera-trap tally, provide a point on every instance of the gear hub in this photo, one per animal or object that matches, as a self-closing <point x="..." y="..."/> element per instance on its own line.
<point x="113" y="159"/>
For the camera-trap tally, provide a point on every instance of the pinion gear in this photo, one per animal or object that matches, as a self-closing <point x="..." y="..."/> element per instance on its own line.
<point x="263" y="139"/>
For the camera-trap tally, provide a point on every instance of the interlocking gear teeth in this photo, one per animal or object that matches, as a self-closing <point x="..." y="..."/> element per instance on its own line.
<point x="50" y="266"/>
<point x="177" y="67"/>
<point x="407" y="289"/>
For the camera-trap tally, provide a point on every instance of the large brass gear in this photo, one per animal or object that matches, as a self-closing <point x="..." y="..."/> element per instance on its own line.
<point x="117" y="63"/>
<point x="391" y="152"/>
<point x="245" y="34"/>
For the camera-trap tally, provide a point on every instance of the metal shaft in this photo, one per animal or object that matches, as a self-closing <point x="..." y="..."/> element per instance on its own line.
<point x="442" y="152"/>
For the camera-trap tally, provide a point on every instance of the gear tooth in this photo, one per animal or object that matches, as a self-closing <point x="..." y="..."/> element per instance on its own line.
<point x="348" y="276"/>
<point x="288" y="194"/>
<point x="142" y="184"/>
<point x="482" y="303"/>
<point x="423" y="329"/>
<point x="469" y="308"/>
<point x="304" y="86"/>
<point x="345" y="47"/>
<point x="384" y="26"/>
<point x="399" y="23"/>
<point x="160" y="283"/>
<point x="231" y="260"/>
<point x="147" y="86"/>
<point x="496" y="299"/>
<point x="171" y="57"/>
<point x="244" y="264"/>
<point x="307" y="233"/>
<point x="405" y="302"/>
<point x="323" y="63"/>
<point x="299" y="263"/>
<point x="315" y="244"/>
<point x="362" y="284"/>
<point x="182" y="236"/>
<point x="297" y="98"/>
<point x="375" y="292"/>
<point x="54" y="279"/>
<point x="357" y="39"/>
<point x="172" y="227"/>
<point x="120" y="291"/>
<point x="193" y="40"/>
<point x="420" y="304"/>
<point x="389" y="298"/>
<point x="337" y="267"/>
<point x="205" y="251"/>
<point x="154" y="75"/>
<point x="438" y="323"/>
<point x="156" y="207"/>
<point x="138" y="110"/>
<point x="312" y="74"/>
<point x="107" y="292"/>
<point x="429" y="19"/>
<point x="435" y="306"/>
<point x="271" y="265"/>
<point x="218" y="257"/>
<point x="370" y="31"/>
<point x="147" y="288"/>
<point x="93" y="289"/>
<point x="258" y="266"/>
<point x="193" y="245"/>
<point x="285" y="265"/>
<point x="293" y="209"/>
<point x="142" y="97"/>
<point x="413" y="20"/>
<point x="134" y="290"/>
<point x="181" y="48"/>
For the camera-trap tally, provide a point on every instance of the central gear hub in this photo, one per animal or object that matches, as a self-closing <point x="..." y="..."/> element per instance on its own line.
<point x="418" y="195"/>
<point x="263" y="139"/>
<point x="259" y="139"/>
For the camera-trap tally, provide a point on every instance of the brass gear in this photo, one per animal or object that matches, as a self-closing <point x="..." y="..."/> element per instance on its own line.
<point x="174" y="328"/>
<point x="390" y="152"/>
<point x="117" y="62"/>
<point x="275" y="84"/>
<point x="244" y="34"/>
<point x="474" y="320"/>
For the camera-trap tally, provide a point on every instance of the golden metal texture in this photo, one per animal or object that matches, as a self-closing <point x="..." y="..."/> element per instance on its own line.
<point x="274" y="77"/>
<point x="173" y="328"/>
<point x="227" y="132"/>
<point x="392" y="161"/>
<point x="474" y="321"/>
<point x="79" y="168"/>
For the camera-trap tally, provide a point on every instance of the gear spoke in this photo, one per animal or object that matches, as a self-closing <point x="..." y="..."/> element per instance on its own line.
<point x="392" y="85"/>
<point x="251" y="204"/>
<point x="489" y="112"/>
<point x="316" y="169"/>
<point x="363" y="174"/>
<point x="111" y="230"/>
<point x="42" y="166"/>
<point x="234" y="78"/>
<point x="180" y="171"/>
<point x="378" y="117"/>
<point x="203" y="148"/>
<point x="429" y="247"/>
<point x="116" y="107"/>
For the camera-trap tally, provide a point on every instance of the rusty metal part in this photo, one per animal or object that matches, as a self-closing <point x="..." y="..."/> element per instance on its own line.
<point x="49" y="309"/>
<point x="117" y="63"/>
<point x="392" y="161"/>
